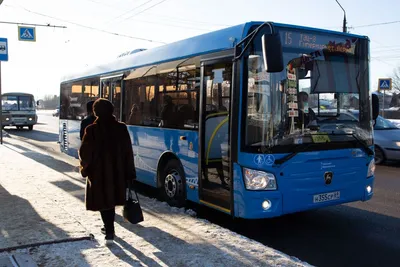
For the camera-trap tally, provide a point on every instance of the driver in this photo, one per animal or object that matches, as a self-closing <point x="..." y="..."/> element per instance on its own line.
<point x="306" y="114"/>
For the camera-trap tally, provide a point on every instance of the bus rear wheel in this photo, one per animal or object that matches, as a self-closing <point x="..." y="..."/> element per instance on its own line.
<point x="173" y="184"/>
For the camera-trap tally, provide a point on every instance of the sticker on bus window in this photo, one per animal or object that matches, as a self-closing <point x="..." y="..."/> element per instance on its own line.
<point x="292" y="84"/>
<point x="291" y="76"/>
<point x="292" y="91"/>
<point x="320" y="138"/>
<point x="292" y="105"/>
<point x="298" y="141"/>
<point x="292" y="98"/>
<point x="259" y="159"/>
<point x="269" y="159"/>
<point x="293" y="113"/>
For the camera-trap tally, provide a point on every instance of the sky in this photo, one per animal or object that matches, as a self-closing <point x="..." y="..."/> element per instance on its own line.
<point x="89" y="37"/>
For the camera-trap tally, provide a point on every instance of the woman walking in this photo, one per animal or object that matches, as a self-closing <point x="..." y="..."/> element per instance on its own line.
<point x="106" y="159"/>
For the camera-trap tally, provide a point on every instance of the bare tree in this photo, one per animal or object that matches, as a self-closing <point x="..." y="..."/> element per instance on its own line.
<point x="396" y="80"/>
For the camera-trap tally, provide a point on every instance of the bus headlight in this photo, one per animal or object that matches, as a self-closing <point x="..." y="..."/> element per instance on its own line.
<point x="259" y="180"/>
<point x="371" y="168"/>
<point x="7" y="119"/>
<point x="30" y="119"/>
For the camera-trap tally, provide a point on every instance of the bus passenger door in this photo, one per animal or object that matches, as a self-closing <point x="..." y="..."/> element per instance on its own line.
<point x="214" y="179"/>
<point x="111" y="90"/>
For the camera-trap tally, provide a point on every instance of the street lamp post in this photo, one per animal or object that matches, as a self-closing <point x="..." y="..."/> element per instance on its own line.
<point x="344" y="18"/>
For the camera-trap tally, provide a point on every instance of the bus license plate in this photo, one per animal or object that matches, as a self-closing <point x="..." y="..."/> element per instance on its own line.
<point x="326" y="197"/>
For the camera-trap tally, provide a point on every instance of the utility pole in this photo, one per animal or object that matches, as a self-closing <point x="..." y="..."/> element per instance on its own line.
<point x="344" y="18"/>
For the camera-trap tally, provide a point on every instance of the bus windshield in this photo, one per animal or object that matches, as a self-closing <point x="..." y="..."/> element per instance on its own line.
<point x="17" y="103"/>
<point x="313" y="100"/>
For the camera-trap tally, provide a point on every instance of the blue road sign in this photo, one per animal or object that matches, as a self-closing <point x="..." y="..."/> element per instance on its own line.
<point x="385" y="84"/>
<point x="3" y="49"/>
<point x="26" y="33"/>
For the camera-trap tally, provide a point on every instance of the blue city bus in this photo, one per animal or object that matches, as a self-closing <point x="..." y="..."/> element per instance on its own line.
<point x="254" y="120"/>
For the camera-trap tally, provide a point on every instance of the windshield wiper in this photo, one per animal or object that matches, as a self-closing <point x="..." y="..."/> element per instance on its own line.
<point x="300" y="149"/>
<point x="291" y="155"/>
<point x="363" y="145"/>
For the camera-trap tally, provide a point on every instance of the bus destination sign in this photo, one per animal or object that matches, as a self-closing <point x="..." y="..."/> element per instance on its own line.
<point x="317" y="42"/>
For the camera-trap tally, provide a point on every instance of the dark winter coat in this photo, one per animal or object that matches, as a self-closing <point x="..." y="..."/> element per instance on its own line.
<point x="85" y="123"/>
<point x="106" y="159"/>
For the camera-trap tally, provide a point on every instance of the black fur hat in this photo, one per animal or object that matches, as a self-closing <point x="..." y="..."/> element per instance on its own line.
<point x="103" y="108"/>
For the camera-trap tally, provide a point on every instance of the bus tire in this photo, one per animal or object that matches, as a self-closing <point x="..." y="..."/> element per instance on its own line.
<point x="173" y="183"/>
<point x="30" y="127"/>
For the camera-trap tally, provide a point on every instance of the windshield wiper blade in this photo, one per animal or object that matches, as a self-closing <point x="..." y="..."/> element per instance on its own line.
<point x="291" y="155"/>
<point x="364" y="146"/>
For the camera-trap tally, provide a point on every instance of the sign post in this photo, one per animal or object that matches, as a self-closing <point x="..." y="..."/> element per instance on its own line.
<point x="384" y="84"/>
<point x="3" y="57"/>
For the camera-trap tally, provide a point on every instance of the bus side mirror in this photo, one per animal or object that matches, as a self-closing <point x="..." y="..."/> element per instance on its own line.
<point x="38" y="103"/>
<point x="375" y="106"/>
<point x="272" y="52"/>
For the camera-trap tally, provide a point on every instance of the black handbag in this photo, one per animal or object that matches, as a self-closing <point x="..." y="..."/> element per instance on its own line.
<point x="132" y="211"/>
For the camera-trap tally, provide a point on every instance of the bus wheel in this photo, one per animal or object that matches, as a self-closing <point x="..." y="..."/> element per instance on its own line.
<point x="30" y="127"/>
<point x="173" y="185"/>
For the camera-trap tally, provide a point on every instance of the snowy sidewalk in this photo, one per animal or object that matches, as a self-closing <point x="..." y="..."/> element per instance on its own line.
<point x="41" y="201"/>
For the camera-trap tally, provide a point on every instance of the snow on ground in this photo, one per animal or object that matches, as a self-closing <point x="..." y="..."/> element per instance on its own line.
<point x="52" y="195"/>
<point x="183" y="241"/>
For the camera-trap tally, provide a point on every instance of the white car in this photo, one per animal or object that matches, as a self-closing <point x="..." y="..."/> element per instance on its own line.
<point x="395" y="122"/>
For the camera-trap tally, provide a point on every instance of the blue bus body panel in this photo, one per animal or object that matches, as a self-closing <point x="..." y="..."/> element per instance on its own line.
<point x="150" y="144"/>
<point x="301" y="178"/>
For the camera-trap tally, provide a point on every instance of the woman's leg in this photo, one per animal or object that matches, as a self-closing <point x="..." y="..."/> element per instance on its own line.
<point x="108" y="217"/>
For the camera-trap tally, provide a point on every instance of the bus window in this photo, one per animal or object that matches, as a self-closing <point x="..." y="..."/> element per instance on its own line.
<point x="75" y="95"/>
<point x="140" y="102"/>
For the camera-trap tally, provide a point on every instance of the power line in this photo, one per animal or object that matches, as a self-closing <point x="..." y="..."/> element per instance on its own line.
<point x="133" y="9"/>
<point x="97" y="2"/>
<point x="390" y="64"/>
<point x="387" y="50"/>
<point x="377" y="24"/>
<point x="389" y="57"/>
<point x="140" y="12"/>
<point x="93" y="28"/>
<point x="367" y="25"/>
<point x="171" y="25"/>
<point x="32" y="24"/>
<point x="173" y="19"/>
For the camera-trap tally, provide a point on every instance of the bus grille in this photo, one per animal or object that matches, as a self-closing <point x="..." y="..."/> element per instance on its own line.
<point x="64" y="136"/>
<point x="19" y="116"/>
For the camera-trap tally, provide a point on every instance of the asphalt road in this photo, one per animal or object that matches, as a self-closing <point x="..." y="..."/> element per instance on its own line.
<point x="357" y="234"/>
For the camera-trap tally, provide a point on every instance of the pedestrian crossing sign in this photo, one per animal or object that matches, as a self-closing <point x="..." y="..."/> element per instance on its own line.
<point x="385" y="84"/>
<point x="27" y="34"/>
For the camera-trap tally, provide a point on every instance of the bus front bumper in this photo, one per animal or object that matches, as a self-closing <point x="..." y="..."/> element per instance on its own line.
<point x="20" y="122"/>
<point x="268" y="204"/>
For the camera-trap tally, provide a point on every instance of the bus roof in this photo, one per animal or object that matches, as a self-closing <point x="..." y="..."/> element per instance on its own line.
<point x="16" y="94"/>
<point x="215" y="41"/>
